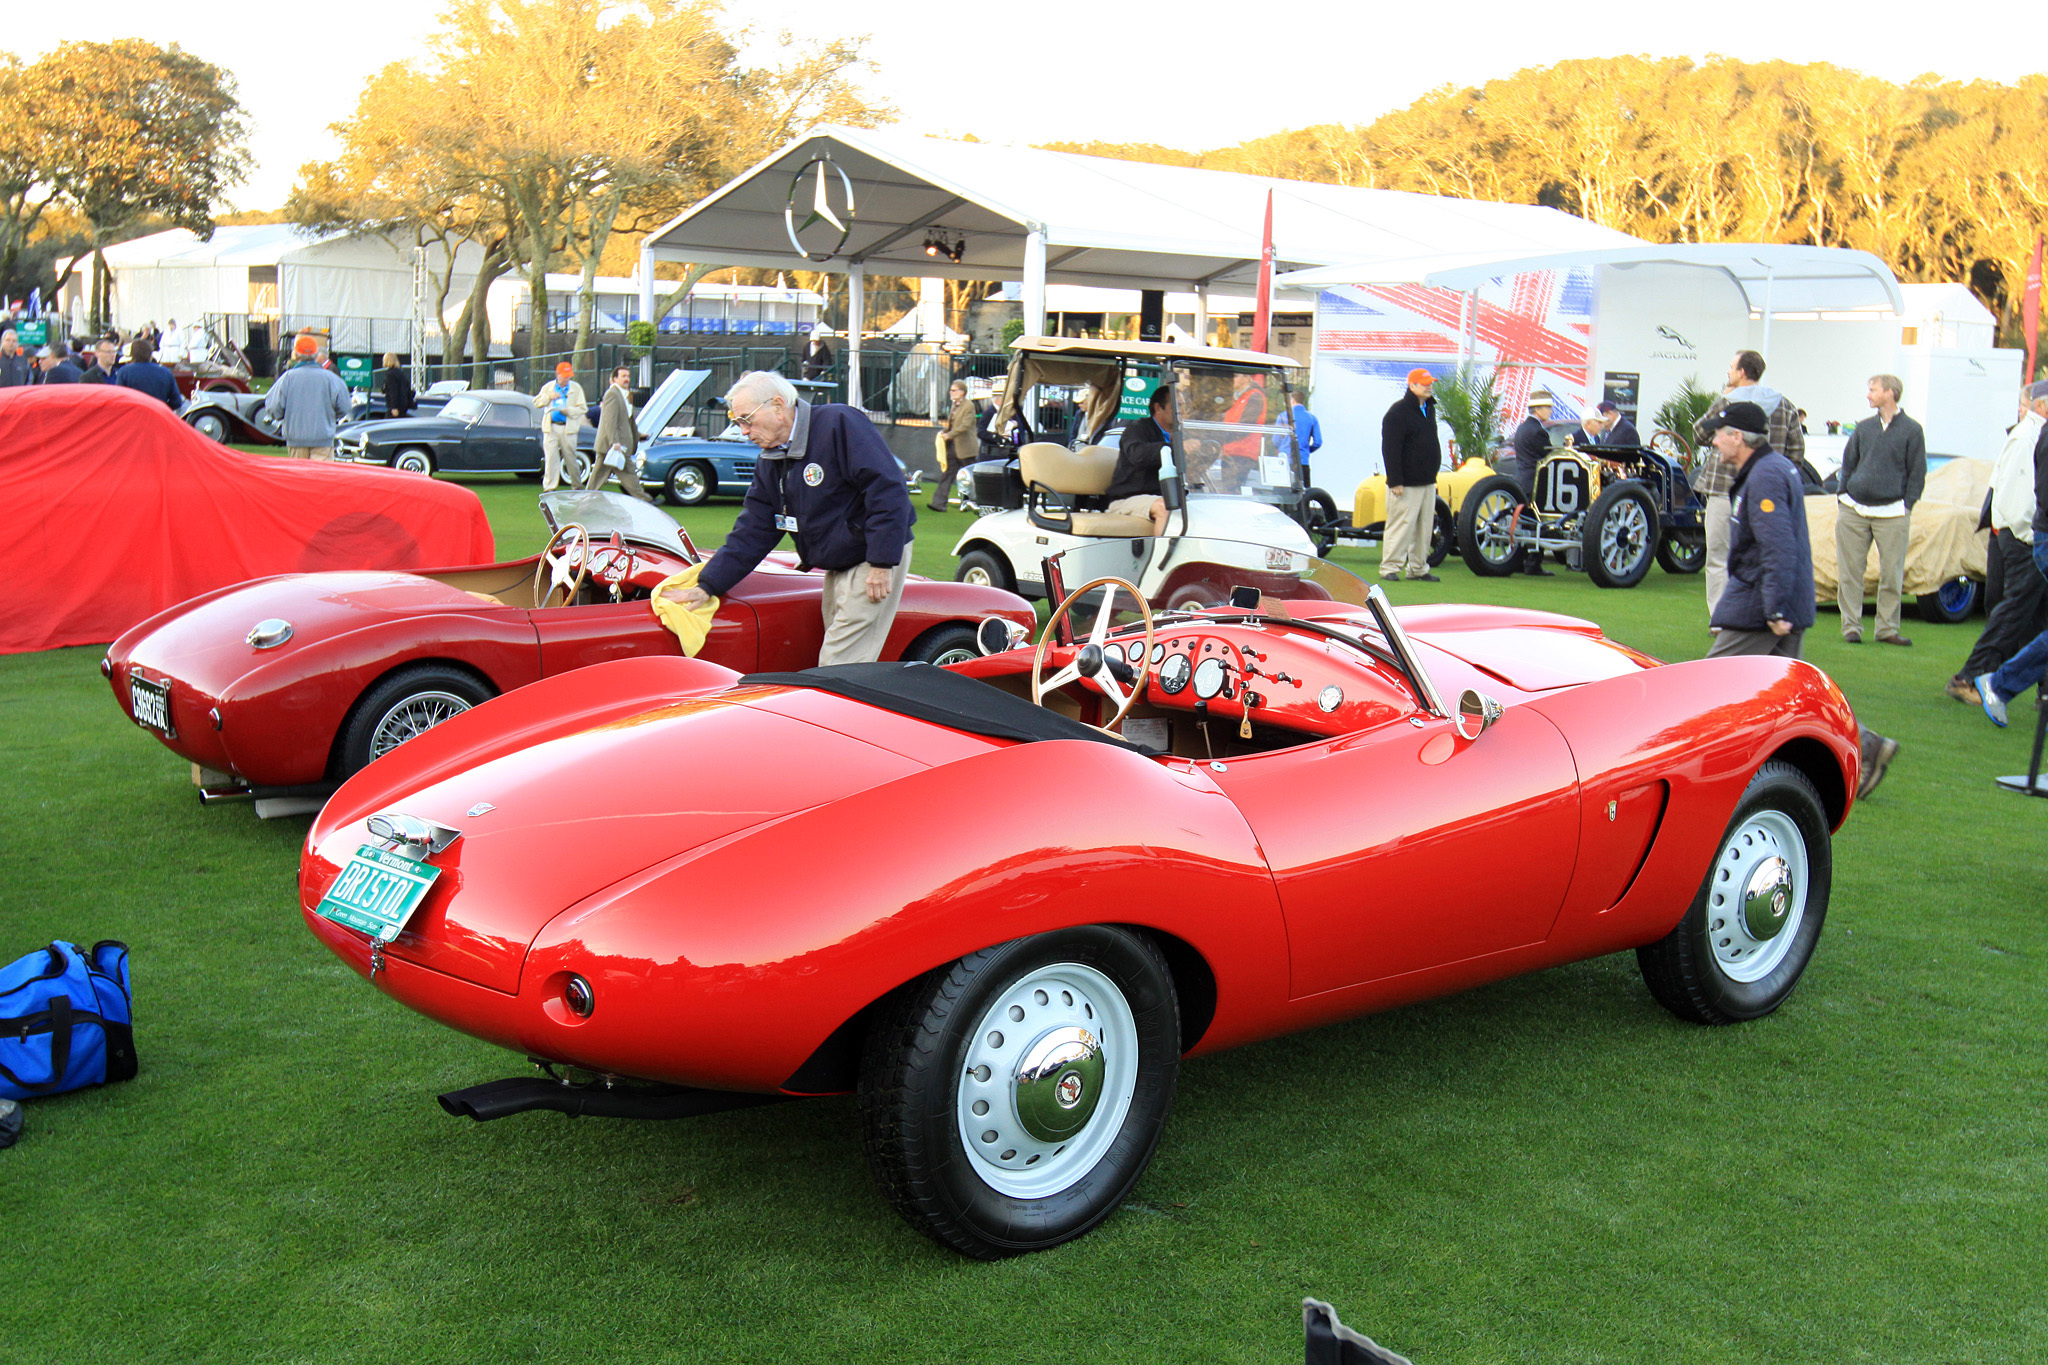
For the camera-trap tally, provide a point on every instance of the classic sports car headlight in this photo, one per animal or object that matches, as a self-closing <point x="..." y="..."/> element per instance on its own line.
<point x="578" y="996"/>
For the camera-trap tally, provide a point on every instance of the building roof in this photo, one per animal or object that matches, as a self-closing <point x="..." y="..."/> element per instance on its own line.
<point x="1123" y="224"/>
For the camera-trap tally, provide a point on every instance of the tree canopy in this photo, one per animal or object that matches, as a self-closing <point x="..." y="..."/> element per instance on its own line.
<point x="1942" y="180"/>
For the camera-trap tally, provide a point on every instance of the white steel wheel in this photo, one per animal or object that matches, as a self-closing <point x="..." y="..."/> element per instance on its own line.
<point x="1752" y="927"/>
<point x="1757" y="898"/>
<point x="212" y="426"/>
<point x="415" y="715"/>
<point x="1048" y="1079"/>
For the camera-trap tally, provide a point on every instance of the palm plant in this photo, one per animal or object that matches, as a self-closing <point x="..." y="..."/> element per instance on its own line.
<point x="1681" y="412"/>
<point x="1471" y="406"/>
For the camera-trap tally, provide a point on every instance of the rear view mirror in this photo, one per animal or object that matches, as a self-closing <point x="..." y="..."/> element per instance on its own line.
<point x="996" y="634"/>
<point x="1476" y="714"/>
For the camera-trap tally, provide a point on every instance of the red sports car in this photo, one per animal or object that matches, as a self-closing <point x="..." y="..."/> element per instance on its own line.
<point x="281" y="687"/>
<point x="1222" y="824"/>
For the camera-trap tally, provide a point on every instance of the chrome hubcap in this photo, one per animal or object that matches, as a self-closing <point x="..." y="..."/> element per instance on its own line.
<point x="690" y="483"/>
<point x="415" y="715"/>
<point x="1047" y="1080"/>
<point x="1624" y="537"/>
<point x="1758" y="896"/>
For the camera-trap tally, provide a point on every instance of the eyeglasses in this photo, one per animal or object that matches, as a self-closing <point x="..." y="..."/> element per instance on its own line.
<point x="743" y="423"/>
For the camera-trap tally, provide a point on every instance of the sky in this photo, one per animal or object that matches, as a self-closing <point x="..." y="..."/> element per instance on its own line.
<point x="1198" y="75"/>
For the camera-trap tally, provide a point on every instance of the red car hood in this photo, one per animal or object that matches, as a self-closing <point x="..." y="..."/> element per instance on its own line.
<point x="547" y="826"/>
<point x="204" y="643"/>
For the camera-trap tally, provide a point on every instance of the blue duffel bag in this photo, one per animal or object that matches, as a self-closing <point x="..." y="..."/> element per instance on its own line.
<point x="64" y="1020"/>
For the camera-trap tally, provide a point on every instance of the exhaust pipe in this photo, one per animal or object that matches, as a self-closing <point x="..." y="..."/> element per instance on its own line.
<point x="517" y="1094"/>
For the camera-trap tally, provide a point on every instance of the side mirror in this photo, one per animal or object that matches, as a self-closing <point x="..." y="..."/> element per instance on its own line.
<point x="997" y="633"/>
<point x="1476" y="714"/>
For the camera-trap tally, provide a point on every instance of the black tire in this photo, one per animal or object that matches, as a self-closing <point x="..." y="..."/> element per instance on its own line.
<point x="414" y="460"/>
<point x="374" y="727"/>
<point x="944" y="645"/>
<point x="986" y="567"/>
<point x="1318" y="515"/>
<point x="1682" y="551"/>
<point x="1619" y="542"/>
<point x="1482" y="527"/>
<point x="1951" y="604"/>
<point x="921" y="1052"/>
<point x="1695" y="971"/>
<point x="690" y="483"/>
<point x="1442" y="531"/>
<point x="212" y="426"/>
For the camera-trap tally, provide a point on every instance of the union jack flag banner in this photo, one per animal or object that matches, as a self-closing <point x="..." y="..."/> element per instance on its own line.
<point x="1535" y="330"/>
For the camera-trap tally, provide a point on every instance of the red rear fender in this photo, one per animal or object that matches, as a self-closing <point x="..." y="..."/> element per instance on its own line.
<point x="553" y="706"/>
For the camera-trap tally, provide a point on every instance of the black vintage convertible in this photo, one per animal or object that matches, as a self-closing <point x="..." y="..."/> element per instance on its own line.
<point x="482" y="432"/>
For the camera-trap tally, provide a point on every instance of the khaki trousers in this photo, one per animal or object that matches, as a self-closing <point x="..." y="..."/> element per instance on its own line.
<point x="1854" y="534"/>
<point x="855" y="628"/>
<point x="557" y="454"/>
<point x="1720" y="509"/>
<point x="1404" y="547"/>
<point x="629" y="482"/>
<point x="309" y="452"/>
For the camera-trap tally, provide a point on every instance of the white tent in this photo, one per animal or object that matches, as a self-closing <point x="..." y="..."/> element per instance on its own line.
<point x="358" y="285"/>
<point x="1017" y="213"/>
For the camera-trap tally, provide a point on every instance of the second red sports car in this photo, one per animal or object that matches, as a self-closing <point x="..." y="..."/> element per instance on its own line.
<point x="281" y="687"/>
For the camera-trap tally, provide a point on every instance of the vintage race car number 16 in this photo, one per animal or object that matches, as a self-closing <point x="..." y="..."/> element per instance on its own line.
<point x="377" y="892"/>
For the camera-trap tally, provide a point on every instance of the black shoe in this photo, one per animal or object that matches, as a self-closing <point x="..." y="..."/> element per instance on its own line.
<point x="1539" y="572"/>
<point x="1424" y="578"/>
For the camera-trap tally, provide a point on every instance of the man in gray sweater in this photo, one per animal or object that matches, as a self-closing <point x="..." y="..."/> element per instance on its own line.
<point x="1884" y="468"/>
<point x="308" y="402"/>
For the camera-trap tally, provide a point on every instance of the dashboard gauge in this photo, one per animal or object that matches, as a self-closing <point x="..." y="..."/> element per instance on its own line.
<point x="1210" y="676"/>
<point x="1330" y="698"/>
<point x="1135" y="651"/>
<point x="1158" y="653"/>
<point x="1173" y="674"/>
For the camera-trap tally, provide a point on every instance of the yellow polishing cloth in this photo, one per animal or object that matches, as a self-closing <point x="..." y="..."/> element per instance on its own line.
<point x="690" y="624"/>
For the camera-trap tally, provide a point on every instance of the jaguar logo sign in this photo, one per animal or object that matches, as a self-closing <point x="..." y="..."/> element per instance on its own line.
<point x="1681" y="345"/>
<point x="819" y="214"/>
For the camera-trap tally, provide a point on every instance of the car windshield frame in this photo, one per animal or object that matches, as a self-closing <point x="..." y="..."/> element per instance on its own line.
<point x="466" y="408"/>
<point x="604" y="514"/>
<point x="1161" y="567"/>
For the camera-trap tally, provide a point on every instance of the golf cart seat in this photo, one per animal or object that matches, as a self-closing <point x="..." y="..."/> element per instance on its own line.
<point x="1055" y="477"/>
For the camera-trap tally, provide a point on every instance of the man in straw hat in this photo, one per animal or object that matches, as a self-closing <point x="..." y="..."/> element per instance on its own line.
<point x="1532" y="443"/>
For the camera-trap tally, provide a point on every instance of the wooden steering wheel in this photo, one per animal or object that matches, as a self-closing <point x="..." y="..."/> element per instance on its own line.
<point x="1092" y="662"/>
<point x="565" y="563"/>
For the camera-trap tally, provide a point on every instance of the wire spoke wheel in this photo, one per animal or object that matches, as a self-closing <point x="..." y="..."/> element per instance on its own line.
<point x="418" y="713"/>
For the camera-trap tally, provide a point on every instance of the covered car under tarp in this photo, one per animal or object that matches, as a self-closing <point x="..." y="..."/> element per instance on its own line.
<point x="121" y="510"/>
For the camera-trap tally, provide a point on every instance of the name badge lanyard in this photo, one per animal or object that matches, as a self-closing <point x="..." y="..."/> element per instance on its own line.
<point x="783" y="521"/>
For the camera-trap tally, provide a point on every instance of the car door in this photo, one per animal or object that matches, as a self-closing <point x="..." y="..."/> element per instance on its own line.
<point x="506" y="437"/>
<point x="1405" y="847"/>
<point x="576" y="637"/>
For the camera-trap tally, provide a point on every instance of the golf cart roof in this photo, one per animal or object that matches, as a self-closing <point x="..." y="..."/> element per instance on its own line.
<point x="1086" y="348"/>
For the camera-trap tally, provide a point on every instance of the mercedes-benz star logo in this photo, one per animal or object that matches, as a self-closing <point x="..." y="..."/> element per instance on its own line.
<point x="816" y="199"/>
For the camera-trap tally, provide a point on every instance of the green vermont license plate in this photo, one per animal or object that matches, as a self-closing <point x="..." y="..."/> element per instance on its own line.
<point x="377" y="892"/>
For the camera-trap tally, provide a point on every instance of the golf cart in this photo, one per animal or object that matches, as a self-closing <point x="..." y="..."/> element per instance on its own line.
<point x="1233" y="475"/>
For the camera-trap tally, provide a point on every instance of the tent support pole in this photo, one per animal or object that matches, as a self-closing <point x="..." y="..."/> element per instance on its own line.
<point x="1034" y="303"/>
<point x="856" y="322"/>
<point x="1769" y="277"/>
<point x="1202" y="313"/>
<point x="647" y="313"/>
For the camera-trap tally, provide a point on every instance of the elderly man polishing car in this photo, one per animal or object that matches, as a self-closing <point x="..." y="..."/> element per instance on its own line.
<point x="826" y="478"/>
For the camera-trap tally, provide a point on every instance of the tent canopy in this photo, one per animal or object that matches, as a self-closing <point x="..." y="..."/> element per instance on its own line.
<point x="1123" y="224"/>
<point x="1774" y="278"/>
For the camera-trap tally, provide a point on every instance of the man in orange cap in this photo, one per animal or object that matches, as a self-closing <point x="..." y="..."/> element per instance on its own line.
<point x="1413" y="454"/>
<point x="307" y="402"/>
<point x="562" y="407"/>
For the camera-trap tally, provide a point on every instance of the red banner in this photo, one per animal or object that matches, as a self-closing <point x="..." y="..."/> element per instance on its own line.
<point x="2030" y="310"/>
<point x="1262" y="318"/>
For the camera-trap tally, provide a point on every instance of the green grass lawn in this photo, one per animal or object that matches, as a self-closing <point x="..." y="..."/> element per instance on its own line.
<point x="1549" y="1169"/>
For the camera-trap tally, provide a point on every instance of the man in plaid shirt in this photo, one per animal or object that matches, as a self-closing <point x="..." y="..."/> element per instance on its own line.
<point x="1713" y="476"/>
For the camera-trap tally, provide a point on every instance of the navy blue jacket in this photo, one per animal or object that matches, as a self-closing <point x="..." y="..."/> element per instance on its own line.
<point x="1622" y="433"/>
<point x="853" y="510"/>
<point x="146" y="376"/>
<point x="1770" y="561"/>
<point x="1532" y="444"/>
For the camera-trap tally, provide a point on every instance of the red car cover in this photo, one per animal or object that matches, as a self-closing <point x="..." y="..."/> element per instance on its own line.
<point x="121" y="510"/>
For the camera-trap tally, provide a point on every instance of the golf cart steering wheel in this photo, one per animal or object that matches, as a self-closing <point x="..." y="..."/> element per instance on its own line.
<point x="565" y="563"/>
<point x="1092" y="662"/>
<point x="612" y="564"/>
